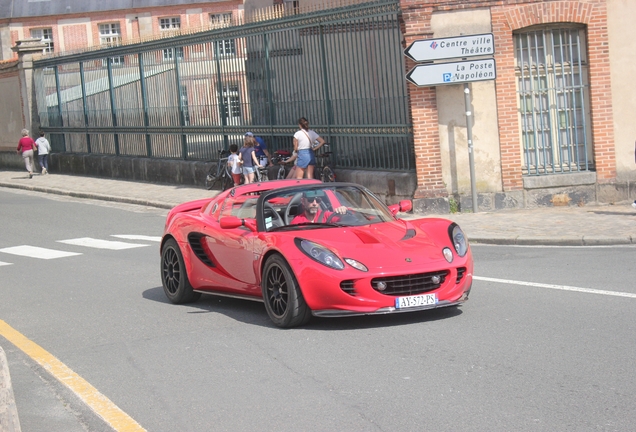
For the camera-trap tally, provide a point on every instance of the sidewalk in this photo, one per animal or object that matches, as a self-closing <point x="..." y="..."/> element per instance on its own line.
<point x="552" y="226"/>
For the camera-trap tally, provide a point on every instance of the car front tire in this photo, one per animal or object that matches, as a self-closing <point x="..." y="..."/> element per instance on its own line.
<point x="174" y="277"/>
<point x="284" y="301"/>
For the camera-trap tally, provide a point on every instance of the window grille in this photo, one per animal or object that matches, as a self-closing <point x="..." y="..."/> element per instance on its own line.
<point x="553" y="88"/>
<point x="46" y="36"/>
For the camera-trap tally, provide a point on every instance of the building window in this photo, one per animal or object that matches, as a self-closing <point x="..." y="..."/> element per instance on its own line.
<point x="46" y="36"/>
<point x="554" y="102"/>
<point x="170" y="53"/>
<point x="110" y="35"/>
<point x="170" y="23"/>
<point x="220" y="20"/>
<point x="231" y="103"/>
<point x="225" y="47"/>
<point x="183" y="92"/>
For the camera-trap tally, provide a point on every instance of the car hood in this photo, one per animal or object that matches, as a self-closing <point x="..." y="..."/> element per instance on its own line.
<point x="390" y="245"/>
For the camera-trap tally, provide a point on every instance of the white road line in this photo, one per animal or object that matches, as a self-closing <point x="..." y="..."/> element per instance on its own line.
<point x="4" y="263"/>
<point x="137" y="237"/>
<point x="37" y="252"/>
<point x="557" y="287"/>
<point x="101" y="244"/>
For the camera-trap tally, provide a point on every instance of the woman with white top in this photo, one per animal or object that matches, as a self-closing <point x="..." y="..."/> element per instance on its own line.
<point x="306" y="141"/>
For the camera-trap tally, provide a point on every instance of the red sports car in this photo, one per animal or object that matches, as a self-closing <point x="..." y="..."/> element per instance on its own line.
<point x="309" y="248"/>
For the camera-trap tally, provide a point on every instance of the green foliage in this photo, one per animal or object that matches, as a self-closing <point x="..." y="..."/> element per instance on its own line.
<point x="454" y="205"/>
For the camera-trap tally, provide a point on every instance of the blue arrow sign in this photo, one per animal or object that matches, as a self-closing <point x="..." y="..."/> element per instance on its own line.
<point x="427" y="75"/>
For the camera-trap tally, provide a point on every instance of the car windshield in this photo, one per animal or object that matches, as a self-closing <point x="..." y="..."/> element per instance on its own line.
<point x="322" y="206"/>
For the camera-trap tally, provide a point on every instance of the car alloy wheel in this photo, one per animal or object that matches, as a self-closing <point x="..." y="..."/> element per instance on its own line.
<point x="174" y="278"/>
<point x="283" y="299"/>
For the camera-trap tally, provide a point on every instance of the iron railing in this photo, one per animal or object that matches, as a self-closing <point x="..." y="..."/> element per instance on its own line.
<point x="188" y="96"/>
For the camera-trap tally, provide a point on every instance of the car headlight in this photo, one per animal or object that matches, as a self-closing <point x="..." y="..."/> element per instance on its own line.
<point x="458" y="239"/>
<point x="319" y="253"/>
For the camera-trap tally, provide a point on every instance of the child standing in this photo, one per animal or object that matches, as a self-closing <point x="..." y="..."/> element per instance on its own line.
<point x="233" y="161"/>
<point x="43" y="152"/>
<point x="249" y="159"/>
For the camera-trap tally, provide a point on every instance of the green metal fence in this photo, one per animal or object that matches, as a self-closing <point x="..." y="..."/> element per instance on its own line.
<point x="187" y="96"/>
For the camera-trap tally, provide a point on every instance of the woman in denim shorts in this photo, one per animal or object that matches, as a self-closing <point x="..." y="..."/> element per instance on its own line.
<point x="306" y="141"/>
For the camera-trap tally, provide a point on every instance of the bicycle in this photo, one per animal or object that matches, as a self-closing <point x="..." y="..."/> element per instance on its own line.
<point x="220" y="173"/>
<point x="260" y="174"/>
<point x="323" y="171"/>
<point x="280" y="157"/>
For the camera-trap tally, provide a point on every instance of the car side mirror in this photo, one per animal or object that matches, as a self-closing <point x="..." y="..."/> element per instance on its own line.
<point x="406" y="206"/>
<point x="403" y="206"/>
<point x="232" y="222"/>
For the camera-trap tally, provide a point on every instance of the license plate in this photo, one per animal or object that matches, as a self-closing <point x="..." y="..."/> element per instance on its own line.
<point x="415" y="301"/>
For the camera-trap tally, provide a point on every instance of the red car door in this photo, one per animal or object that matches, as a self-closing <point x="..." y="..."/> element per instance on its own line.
<point x="233" y="248"/>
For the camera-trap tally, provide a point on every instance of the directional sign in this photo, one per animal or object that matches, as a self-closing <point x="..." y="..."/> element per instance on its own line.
<point x="452" y="73"/>
<point x="451" y="47"/>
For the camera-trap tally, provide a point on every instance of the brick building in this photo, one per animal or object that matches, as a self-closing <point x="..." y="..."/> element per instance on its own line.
<point x="554" y="127"/>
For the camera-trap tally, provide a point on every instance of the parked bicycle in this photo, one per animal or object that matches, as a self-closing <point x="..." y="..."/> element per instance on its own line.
<point x="323" y="171"/>
<point x="279" y="171"/>
<point x="220" y="173"/>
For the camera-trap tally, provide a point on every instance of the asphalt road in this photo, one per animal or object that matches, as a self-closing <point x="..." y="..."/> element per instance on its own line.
<point x="539" y="357"/>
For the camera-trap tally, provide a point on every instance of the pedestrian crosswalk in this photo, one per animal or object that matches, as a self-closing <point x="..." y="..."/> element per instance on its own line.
<point x="47" y="253"/>
<point x="37" y="252"/>
<point x="101" y="244"/>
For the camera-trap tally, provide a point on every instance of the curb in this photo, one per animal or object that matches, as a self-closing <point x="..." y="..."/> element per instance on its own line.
<point x="9" y="421"/>
<point x="554" y="241"/>
<point x="95" y="196"/>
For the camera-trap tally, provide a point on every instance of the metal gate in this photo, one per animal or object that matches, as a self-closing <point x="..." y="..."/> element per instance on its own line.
<point x="190" y="95"/>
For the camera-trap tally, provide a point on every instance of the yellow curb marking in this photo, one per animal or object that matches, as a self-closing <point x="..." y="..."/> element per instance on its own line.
<point x="100" y="404"/>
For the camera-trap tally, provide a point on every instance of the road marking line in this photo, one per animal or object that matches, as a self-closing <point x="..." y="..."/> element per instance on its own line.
<point x="100" y="404"/>
<point x="557" y="287"/>
<point x="137" y="237"/>
<point x="37" y="252"/>
<point x="101" y="244"/>
<point x="4" y="263"/>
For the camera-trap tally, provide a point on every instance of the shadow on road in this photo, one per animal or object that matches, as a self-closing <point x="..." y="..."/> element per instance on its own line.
<point x="253" y="312"/>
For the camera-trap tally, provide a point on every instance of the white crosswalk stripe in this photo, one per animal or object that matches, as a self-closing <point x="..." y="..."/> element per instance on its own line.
<point x="37" y="252"/>
<point x="137" y="237"/>
<point x="101" y="244"/>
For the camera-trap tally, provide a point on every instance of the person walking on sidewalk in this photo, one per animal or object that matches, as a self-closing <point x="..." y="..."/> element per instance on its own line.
<point x="43" y="152"/>
<point x="26" y="146"/>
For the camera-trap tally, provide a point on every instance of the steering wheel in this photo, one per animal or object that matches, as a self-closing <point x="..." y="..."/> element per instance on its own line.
<point x="295" y="201"/>
<point x="342" y="216"/>
<point x="277" y="220"/>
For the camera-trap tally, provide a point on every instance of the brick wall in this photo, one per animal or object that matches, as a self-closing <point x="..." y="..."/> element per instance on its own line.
<point x="507" y="16"/>
<point x="75" y="36"/>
